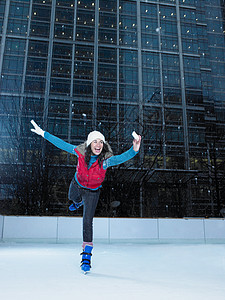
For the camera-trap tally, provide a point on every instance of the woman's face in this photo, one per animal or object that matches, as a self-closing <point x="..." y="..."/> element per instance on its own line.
<point x="97" y="146"/>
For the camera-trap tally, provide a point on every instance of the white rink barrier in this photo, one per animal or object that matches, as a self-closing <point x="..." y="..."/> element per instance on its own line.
<point x="69" y="229"/>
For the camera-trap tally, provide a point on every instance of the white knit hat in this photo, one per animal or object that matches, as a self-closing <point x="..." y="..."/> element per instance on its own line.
<point x="93" y="136"/>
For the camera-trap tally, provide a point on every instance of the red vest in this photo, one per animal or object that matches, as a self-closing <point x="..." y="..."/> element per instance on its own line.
<point x="90" y="178"/>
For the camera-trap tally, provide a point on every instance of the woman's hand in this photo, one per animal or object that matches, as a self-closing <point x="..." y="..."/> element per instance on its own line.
<point x="137" y="144"/>
<point x="37" y="129"/>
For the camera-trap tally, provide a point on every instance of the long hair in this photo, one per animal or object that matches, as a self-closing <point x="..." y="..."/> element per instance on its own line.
<point x="102" y="155"/>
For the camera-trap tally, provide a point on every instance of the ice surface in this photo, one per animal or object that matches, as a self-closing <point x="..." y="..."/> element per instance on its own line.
<point x="119" y="271"/>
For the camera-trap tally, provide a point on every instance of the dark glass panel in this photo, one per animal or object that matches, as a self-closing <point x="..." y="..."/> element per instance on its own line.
<point x="33" y="106"/>
<point x="14" y="47"/>
<point x="128" y="74"/>
<point x="188" y="2"/>
<point x="173" y="117"/>
<point x="167" y="13"/>
<point x="169" y="28"/>
<point x="169" y="43"/>
<point x="79" y="131"/>
<point x="65" y="3"/>
<point x="58" y="127"/>
<point x="175" y="157"/>
<point x="10" y="83"/>
<point x="151" y="94"/>
<point x="150" y="41"/>
<point x="107" y="72"/>
<point x="41" y="13"/>
<point x="106" y="90"/>
<point x="108" y="5"/>
<point x="1" y="24"/>
<point x="60" y="86"/>
<point x="17" y="27"/>
<point x="189" y="31"/>
<point x="107" y="111"/>
<point x="34" y="84"/>
<point x="128" y="92"/>
<point x="107" y="20"/>
<point x="150" y="73"/>
<point x="63" y="31"/>
<point x="85" y="18"/>
<point x="107" y="36"/>
<point x="36" y="66"/>
<point x="196" y="118"/>
<point x="128" y="113"/>
<point x="64" y="16"/>
<point x="150" y="60"/>
<point x="61" y="69"/>
<point x="18" y="10"/>
<point x="39" y="29"/>
<point x="172" y="96"/>
<point x="12" y="64"/>
<point x="174" y="134"/>
<point x="193" y="80"/>
<point x="128" y="57"/>
<point x="127" y="7"/>
<point x="194" y="97"/>
<point x="82" y="110"/>
<point x="128" y="38"/>
<point x="85" y="34"/>
<point x="168" y="1"/>
<point x="81" y="117"/>
<point x="197" y="135"/>
<point x="83" y="69"/>
<point x="128" y="23"/>
<point x="9" y="105"/>
<point x="171" y="70"/>
<point x="152" y="115"/>
<point x="38" y="48"/>
<point x="191" y="64"/>
<point x="107" y="55"/>
<point x="2" y="9"/>
<point x="58" y="107"/>
<point x="43" y="2"/>
<point x="84" y="53"/>
<point x="150" y="77"/>
<point x="190" y="45"/>
<point x="128" y="118"/>
<point x="87" y="4"/>
<point x="188" y="15"/>
<point x="149" y="26"/>
<point x="171" y="78"/>
<point x="148" y="10"/>
<point x="83" y="88"/>
<point x="62" y="51"/>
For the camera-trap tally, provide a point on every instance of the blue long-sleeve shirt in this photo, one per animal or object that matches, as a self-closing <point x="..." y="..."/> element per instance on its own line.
<point x="109" y="162"/>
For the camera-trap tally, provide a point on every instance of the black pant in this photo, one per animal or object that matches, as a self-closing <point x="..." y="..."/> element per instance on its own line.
<point x="90" y="198"/>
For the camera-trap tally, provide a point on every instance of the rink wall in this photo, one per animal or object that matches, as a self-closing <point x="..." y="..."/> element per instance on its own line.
<point x="69" y="229"/>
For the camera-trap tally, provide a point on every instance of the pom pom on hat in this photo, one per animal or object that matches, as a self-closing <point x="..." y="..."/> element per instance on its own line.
<point x="94" y="135"/>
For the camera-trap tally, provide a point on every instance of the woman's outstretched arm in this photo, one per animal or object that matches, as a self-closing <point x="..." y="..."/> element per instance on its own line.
<point x="53" y="139"/>
<point x="119" y="159"/>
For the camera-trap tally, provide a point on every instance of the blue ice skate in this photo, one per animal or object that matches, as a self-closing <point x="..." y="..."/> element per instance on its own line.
<point x="86" y="259"/>
<point x="75" y="205"/>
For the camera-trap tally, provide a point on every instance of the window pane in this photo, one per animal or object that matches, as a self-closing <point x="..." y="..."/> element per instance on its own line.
<point x="60" y="86"/>
<point x="83" y="88"/>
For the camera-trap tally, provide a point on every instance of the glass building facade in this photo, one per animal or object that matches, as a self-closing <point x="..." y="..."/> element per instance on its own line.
<point x="157" y="67"/>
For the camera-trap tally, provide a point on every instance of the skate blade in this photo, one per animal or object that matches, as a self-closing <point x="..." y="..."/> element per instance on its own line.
<point x="86" y="272"/>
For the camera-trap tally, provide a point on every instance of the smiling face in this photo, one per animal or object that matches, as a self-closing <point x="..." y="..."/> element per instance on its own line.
<point x="97" y="146"/>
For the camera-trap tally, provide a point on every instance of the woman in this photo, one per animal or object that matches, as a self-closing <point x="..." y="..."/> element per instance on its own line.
<point x="94" y="158"/>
